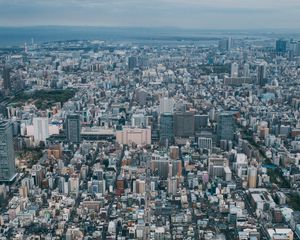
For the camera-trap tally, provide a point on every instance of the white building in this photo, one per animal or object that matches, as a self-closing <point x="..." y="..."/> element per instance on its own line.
<point x="41" y="129"/>
<point x="166" y="105"/>
<point x="234" y="70"/>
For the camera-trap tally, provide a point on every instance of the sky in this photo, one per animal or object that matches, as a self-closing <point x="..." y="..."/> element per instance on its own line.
<point x="197" y="14"/>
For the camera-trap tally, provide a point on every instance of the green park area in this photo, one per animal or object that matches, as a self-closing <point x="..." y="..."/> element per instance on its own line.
<point x="43" y="99"/>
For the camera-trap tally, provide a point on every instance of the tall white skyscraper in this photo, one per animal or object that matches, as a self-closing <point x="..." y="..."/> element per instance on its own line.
<point x="41" y="129"/>
<point x="246" y="71"/>
<point x="166" y="105"/>
<point x="234" y="70"/>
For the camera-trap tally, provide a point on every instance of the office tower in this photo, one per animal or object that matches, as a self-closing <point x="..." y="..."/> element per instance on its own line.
<point x="297" y="49"/>
<point x="174" y="152"/>
<point x="261" y="74"/>
<point x="205" y="143"/>
<point x="201" y="122"/>
<point x="132" y="63"/>
<point x="246" y="70"/>
<point x="226" y="126"/>
<point x="73" y="128"/>
<point x="41" y="129"/>
<point x="140" y="186"/>
<point x="252" y="177"/>
<point x="176" y="167"/>
<point x="143" y="61"/>
<point x="166" y="105"/>
<point x="225" y="44"/>
<point x="7" y="153"/>
<point x="281" y="46"/>
<point x="234" y="70"/>
<point x="166" y="129"/>
<point x="184" y="124"/>
<point x="6" y="78"/>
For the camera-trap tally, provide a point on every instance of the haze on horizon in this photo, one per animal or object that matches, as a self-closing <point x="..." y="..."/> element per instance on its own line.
<point x="205" y="14"/>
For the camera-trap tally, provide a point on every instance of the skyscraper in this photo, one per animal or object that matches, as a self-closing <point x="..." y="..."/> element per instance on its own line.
<point x="41" y="129"/>
<point x="246" y="70"/>
<point x="166" y="136"/>
<point x="261" y="74"/>
<point x="73" y="128"/>
<point x="234" y="70"/>
<point x="132" y="63"/>
<point x="6" y="78"/>
<point x="201" y="121"/>
<point x="226" y="126"/>
<point x="184" y="124"/>
<point x="166" y="105"/>
<point x="252" y="177"/>
<point x="281" y="46"/>
<point x="225" y="44"/>
<point x="7" y="153"/>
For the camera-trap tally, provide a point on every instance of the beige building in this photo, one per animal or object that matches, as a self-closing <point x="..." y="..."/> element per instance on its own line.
<point x="139" y="136"/>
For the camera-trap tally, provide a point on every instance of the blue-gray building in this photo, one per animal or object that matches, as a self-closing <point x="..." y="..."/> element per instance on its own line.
<point x="7" y="153"/>
<point x="226" y="126"/>
<point x="166" y="129"/>
<point x="73" y="128"/>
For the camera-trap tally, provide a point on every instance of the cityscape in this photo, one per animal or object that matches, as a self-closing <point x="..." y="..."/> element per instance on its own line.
<point x="149" y="134"/>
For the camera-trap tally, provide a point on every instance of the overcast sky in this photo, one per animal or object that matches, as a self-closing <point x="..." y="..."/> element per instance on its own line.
<point x="202" y="14"/>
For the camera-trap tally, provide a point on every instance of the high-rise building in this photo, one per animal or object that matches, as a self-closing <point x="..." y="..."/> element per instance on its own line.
<point x="132" y="63"/>
<point x="201" y="121"/>
<point x="252" y="177"/>
<point x="73" y="128"/>
<point x="6" y="78"/>
<point x="281" y="46"/>
<point x="226" y="126"/>
<point x="7" y="153"/>
<point x="184" y="124"/>
<point x="246" y="70"/>
<point x="166" y="105"/>
<point x="234" y="70"/>
<point x="166" y="129"/>
<point x="297" y="49"/>
<point x="225" y="44"/>
<point x="41" y="129"/>
<point x="261" y="74"/>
